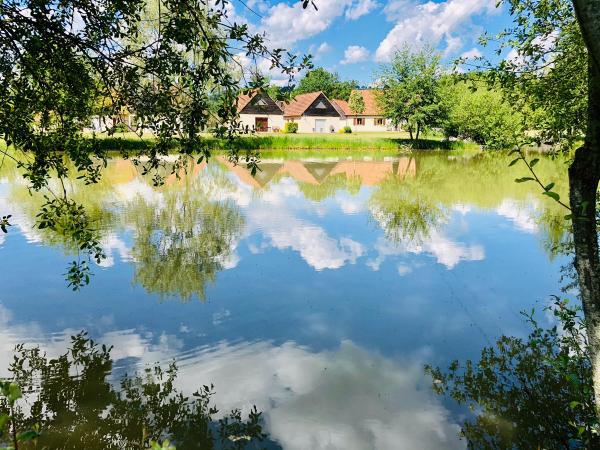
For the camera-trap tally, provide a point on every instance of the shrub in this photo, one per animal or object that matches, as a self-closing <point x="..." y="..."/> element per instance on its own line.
<point x="290" y="127"/>
<point x="482" y="116"/>
<point x="121" y="128"/>
<point x="347" y="129"/>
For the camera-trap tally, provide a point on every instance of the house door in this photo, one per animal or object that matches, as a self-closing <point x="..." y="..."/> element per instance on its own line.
<point x="261" y="124"/>
<point x="320" y="125"/>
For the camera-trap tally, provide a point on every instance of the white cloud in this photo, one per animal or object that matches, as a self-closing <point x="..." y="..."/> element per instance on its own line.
<point x="360" y="8"/>
<point x="453" y="44"/>
<point x="286" y="24"/>
<point x="323" y="49"/>
<point x="355" y="54"/>
<point x="471" y="54"/>
<point x="430" y="23"/>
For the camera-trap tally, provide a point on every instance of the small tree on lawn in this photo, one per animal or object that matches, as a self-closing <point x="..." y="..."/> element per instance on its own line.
<point x="411" y="85"/>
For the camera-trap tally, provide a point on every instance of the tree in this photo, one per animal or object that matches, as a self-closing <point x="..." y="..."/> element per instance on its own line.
<point x="411" y="90"/>
<point x="480" y="114"/>
<point x="356" y="102"/>
<point x="321" y="80"/>
<point x="557" y="42"/>
<point x="64" y="62"/>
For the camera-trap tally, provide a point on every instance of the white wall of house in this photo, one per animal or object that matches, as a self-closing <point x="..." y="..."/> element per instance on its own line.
<point x="313" y="124"/>
<point x="275" y="120"/>
<point x="369" y="126"/>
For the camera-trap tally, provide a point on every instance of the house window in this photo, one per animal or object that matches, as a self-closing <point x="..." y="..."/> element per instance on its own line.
<point x="359" y="121"/>
<point x="261" y="102"/>
<point x="321" y="105"/>
<point x="380" y="121"/>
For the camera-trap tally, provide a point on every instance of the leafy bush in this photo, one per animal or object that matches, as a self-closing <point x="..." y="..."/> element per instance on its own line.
<point x="120" y="128"/>
<point x="533" y="393"/>
<point x="290" y="127"/>
<point x="347" y="129"/>
<point x="482" y="116"/>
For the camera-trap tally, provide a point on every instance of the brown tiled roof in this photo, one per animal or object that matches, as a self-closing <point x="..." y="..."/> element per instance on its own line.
<point x="244" y="99"/>
<point x="299" y="104"/>
<point x="343" y="106"/>
<point x="371" y="107"/>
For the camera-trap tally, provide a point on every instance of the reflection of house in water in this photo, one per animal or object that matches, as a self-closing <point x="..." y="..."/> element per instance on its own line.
<point x="370" y="173"/>
<point x="313" y="172"/>
<point x="123" y="171"/>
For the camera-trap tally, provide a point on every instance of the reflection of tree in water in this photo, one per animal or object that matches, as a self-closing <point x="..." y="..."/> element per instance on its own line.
<point x="409" y="208"/>
<point x="329" y="186"/>
<point x="75" y="406"/>
<point x="533" y="393"/>
<point x="184" y="239"/>
<point x="403" y="211"/>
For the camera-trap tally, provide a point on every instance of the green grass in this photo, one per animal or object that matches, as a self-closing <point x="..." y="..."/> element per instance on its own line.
<point x="391" y="142"/>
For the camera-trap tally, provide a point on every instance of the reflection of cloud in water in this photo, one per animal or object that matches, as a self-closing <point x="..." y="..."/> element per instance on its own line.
<point x="446" y="251"/>
<point x="112" y="244"/>
<point x="345" y="398"/>
<point x="521" y="214"/>
<point x="19" y="220"/>
<point x="316" y="247"/>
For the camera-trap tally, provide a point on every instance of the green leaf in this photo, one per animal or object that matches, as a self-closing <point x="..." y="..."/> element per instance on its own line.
<point x="27" y="436"/>
<point x="534" y="162"/>
<point x="14" y="392"/>
<point x="549" y="187"/>
<point x="4" y="418"/>
<point x="514" y="161"/>
<point x="524" y="179"/>
<point x="574" y="404"/>
<point x="552" y="195"/>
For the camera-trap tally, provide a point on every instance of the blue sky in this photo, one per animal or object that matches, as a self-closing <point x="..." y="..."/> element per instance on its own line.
<point x="354" y="37"/>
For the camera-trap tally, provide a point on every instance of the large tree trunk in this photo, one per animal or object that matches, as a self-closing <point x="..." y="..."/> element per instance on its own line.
<point x="584" y="175"/>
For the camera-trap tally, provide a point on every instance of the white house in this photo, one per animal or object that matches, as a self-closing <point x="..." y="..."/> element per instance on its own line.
<point x="314" y="113"/>
<point x="258" y="112"/>
<point x="370" y="119"/>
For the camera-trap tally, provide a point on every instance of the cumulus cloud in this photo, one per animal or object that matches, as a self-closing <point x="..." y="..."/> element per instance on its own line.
<point x="323" y="49"/>
<point x="360" y="8"/>
<point x="430" y="23"/>
<point x="286" y="24"/>
<point x="355" y="54"/>
<point x="471" y="54"/>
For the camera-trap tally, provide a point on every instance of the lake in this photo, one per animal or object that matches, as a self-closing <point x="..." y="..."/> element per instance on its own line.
<point x="316" y="290"/>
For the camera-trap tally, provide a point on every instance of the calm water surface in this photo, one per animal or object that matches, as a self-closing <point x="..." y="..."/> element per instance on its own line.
<point x="316" y="290"/>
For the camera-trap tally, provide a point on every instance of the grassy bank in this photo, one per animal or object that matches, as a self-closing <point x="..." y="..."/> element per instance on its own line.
<point x="391" y="142"/>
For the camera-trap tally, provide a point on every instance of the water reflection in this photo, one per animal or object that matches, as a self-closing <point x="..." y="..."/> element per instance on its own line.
<point x="182" y="238"/>
<point x="346" y="398"/>
<point x="72" y="404"/>
<point x="327" y="283"/>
